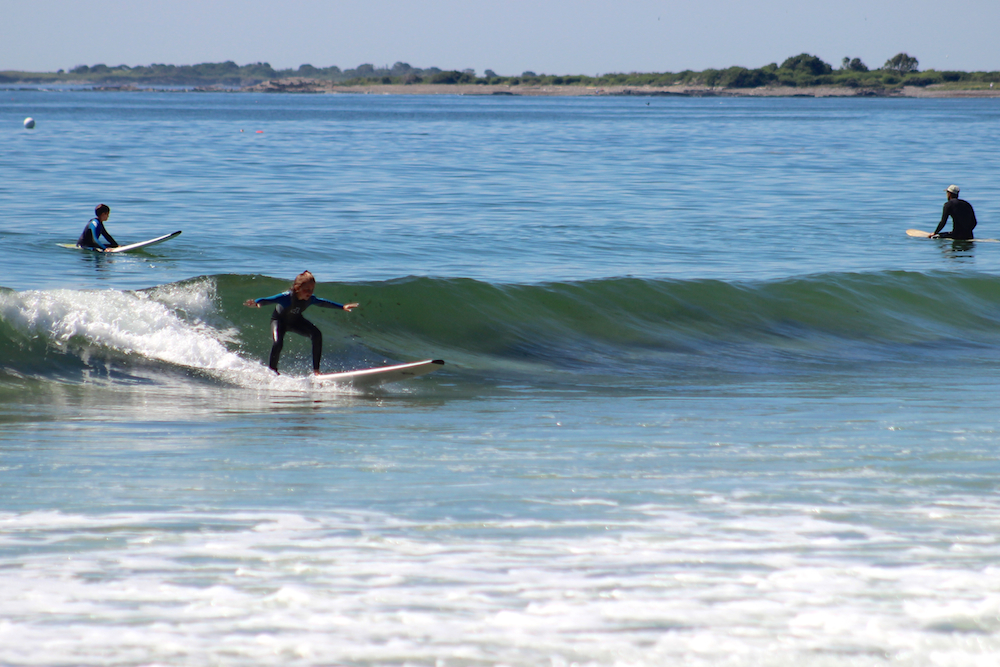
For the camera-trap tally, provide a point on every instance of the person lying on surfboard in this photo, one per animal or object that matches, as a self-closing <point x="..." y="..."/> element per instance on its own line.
<point x="963" y="218"/>
<point x="92" y="233"/>
<point x="287" y="316"/>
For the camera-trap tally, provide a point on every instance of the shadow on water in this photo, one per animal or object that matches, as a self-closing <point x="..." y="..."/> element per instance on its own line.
<point x="98" y="260"/>
<point x="110" y="265"/>
<point x="959" y="250"/>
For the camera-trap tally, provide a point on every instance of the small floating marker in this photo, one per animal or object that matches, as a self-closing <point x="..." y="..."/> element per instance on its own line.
<point x="260" y="131"/>
<point x="29" y="123"/>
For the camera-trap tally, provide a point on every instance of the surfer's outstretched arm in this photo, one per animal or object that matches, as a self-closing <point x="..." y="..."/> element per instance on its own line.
<point x="326" y="303"/>
<point x="282" y="299"/>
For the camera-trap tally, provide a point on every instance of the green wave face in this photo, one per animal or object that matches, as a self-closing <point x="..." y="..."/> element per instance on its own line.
<point x="616" y="326"/>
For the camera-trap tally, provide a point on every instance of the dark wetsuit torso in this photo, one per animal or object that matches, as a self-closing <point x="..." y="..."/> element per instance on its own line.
<point x="963" y="220"/>
<point x="287" y="316"/>
<point x="92" y="233"/>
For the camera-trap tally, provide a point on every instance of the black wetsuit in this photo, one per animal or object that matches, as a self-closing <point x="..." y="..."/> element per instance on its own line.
<point x="963" y="220"/>
<point x="287" y="316"/>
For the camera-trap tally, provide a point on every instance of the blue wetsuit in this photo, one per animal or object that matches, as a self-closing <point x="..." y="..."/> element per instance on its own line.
<point x="287" y="316"/>
<point x="92" y="233"/>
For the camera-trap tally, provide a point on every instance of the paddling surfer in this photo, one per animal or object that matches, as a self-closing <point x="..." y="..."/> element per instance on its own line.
<point x="963" y="218"/>
<point x="92" y="233"/>
<point x="287" y="316"/>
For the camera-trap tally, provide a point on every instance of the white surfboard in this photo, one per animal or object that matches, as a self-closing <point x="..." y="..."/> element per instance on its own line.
<point x="919" y="233"/>
<point x="125" y="248"/>
<point x="372" y="377"/>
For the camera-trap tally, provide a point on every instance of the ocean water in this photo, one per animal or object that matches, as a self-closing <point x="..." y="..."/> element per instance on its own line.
<point x="704" y="402"/>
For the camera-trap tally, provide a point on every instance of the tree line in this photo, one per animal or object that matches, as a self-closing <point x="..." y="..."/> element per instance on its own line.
<point x="797" y="71"/>
<point x="218" y="74"/>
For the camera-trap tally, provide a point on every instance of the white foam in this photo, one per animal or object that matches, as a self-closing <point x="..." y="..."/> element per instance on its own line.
<point x="168" y="324"/>
<point x="131" y="323"/>
<point x="354" y="587"/>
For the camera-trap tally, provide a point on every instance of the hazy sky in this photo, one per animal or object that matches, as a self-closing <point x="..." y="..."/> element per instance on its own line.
<point x="509" y="37"/>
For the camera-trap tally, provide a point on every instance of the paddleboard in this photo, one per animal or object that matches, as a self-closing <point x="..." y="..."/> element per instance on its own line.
<point x="919" y="233"/>
<point x="125" y="248"/>
<point x="372" y="377"/>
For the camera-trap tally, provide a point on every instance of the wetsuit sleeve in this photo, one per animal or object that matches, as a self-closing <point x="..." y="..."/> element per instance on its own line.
<point x="111" y="241"/>
<point x="944" y="218"/>
<point x="324" y="303"/>
<point x="277" y="298"/>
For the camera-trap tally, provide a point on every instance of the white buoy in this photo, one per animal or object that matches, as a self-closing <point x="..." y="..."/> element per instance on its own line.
<point x="29" y="123"/>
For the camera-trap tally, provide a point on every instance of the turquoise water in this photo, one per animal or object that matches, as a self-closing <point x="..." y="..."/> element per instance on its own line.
<point x="704" y="403"/>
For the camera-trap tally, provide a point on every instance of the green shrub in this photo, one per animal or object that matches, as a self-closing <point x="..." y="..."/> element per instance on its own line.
<point x="922" y="80"/>
<point x="807" y="64"/>
<point x="452" y="77"/>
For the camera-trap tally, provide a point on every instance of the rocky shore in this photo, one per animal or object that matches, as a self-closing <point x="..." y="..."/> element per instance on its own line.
<point x="297" y="85"/>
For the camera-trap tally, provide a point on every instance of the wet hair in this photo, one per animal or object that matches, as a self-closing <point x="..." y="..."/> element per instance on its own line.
<point x="304" y="278"/>
<point x="102" y="208"/>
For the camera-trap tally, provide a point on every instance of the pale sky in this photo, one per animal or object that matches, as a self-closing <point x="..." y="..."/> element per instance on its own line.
<point x="545" y="36"/>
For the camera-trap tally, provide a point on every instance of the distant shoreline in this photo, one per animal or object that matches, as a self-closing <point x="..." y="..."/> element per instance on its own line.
<point x="803" y="75"/>
<point x="313" y="86"/>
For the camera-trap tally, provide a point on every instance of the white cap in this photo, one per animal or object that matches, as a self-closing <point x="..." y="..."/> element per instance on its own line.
<point x="953" y="189"/>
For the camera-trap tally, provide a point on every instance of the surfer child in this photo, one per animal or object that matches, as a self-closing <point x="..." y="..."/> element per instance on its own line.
<point x="287" y="316"/>
<point x="963" y="218"/>
<point x="92" y="233"/>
